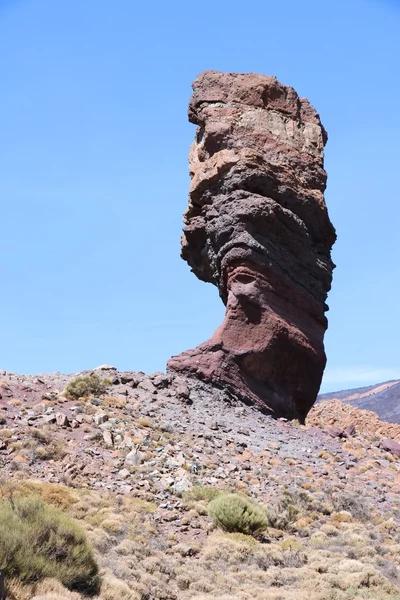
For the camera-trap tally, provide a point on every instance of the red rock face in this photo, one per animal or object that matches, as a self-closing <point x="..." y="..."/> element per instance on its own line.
<point x="257" y="227"/>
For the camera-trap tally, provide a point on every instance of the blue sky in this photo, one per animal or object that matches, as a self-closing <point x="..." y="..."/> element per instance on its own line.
<point x="93" y="173"/>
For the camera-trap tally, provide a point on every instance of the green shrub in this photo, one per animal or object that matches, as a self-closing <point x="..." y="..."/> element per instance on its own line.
<point x="86" y="386"/>
<point x="38" y="541"/>
<point x="235" y="513"/>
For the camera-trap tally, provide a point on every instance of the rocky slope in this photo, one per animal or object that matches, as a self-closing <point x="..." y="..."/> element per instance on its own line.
<point x="335" y="413"/>
<point x="137" y="463"/>
<point x="257" y="227"/>
<point x="382" y="398"/>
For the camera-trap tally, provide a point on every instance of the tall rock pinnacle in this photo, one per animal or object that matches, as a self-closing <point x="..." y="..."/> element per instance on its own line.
<point x="258" y="228"/>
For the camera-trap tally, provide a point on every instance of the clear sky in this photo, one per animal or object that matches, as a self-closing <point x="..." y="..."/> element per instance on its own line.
<point x="93" y="173"/>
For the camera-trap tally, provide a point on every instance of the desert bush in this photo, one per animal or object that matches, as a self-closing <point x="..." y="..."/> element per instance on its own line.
<point x="86" y="386"/>
<point x="52" y="589"/>
<point x="41" y="446"/>
<point x="201" y="493"/>
<point x="235" y="513"/>
<point x="285" y="512"/>
<point x="54" y="494"/>
<point x="353" y="503"/>
<point x="115" y="589"/>
<point x="39" y="541"/>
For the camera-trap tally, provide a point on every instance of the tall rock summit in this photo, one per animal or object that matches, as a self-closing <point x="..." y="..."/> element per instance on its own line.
<point x="258" y="228"/>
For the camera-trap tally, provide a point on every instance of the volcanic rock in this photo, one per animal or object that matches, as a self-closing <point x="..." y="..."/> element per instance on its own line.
<point x="258" y="228"/>
<point x="334" y="413"/>
<point x="391" y="446"/>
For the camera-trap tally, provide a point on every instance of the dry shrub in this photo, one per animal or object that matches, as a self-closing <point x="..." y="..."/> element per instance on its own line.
<point x="289" y="507"/>
<point x="15" y="590"/>
<point x="113" y="402"/>
<point x="115" y="589"/>
<point x="202" y="492"/>
<point x="242" y="538"/>
<point x="51" y="493"/>
<point x="6" y="433"/>
<point x="114" y="525"/>
<point x="229" y="549"/>
<point x="198" y="498"/>
<point x="353" y="503"/>
<point x="208" y="597"/>
<point x="42" y="446"/>
<point x="52" y="589"/>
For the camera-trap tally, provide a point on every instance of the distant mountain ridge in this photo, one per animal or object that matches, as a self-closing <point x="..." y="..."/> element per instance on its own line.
<point x="382" y="398"/>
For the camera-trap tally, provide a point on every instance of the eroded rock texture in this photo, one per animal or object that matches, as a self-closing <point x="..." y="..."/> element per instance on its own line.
<point x="257" y="227"/>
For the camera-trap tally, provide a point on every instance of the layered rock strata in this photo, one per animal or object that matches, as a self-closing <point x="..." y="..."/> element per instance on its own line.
<point x="258" y="228"/>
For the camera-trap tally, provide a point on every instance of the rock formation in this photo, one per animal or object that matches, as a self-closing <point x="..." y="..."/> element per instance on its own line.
<point x="257" y="227"/>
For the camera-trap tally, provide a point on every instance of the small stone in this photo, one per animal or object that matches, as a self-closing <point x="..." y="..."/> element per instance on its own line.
<point x="336" y="432"/>
<point x="182" y="389"/>
<point x="108" y="438"/>
<point x="96" y="401"/>
<point x="161" y="381"/>
<point x="123" y="473"/>
<point x="92" y="437"/>
<point x="182" y="485"/>
<point x="126" y="489"/>
<point x="165" y="482"/>
<point x="350" y="431"/>
<point x="148" y="386"/>
<point x="180" y="460"/>
<point x="49" y="418"/>
<point x="62" y="419"/>
<point x="100" y="418"/>
<point x="243" y="431"/>
<point x="274" y="446"/>
<point x="134" y="457"/>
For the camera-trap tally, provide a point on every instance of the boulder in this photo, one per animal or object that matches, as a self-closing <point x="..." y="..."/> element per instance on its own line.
<point x="257" y="227"/>
<point x="390" y="446"/>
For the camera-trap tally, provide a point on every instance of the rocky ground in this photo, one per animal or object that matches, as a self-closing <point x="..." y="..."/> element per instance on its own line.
<point x="336" y="414"/>
<point x="132" y="464"/>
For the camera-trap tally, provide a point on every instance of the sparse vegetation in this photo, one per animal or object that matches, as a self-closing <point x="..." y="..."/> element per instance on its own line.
<point x="323" y="541"/>
<point x="237" y="514"/>
<point x="39" y="541"/>
<point x="202" y="493"/>
<point x="52" y="494"/>
<point x="92" y="385"/>
<point x="42" y="446"/>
